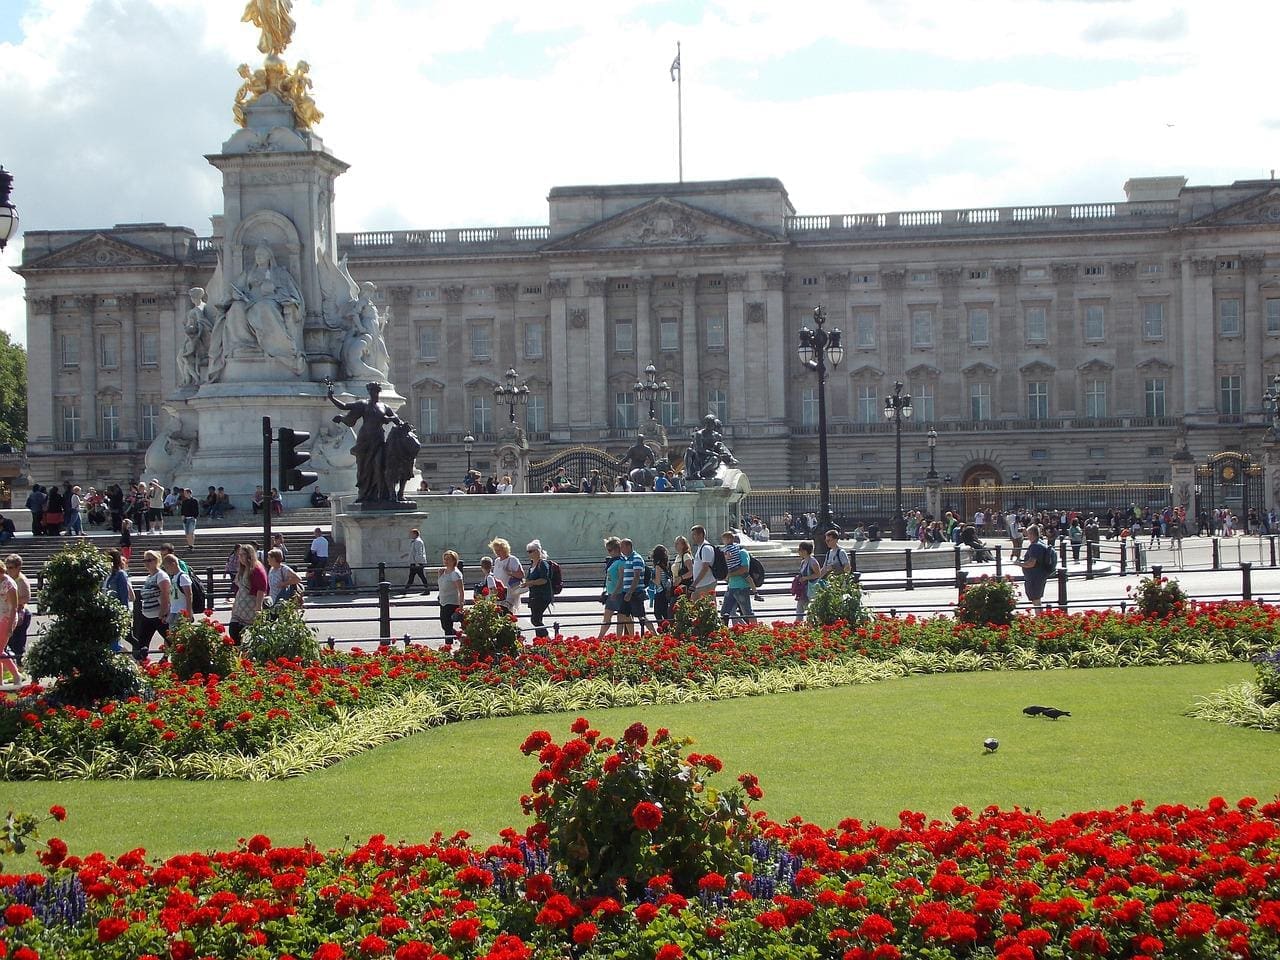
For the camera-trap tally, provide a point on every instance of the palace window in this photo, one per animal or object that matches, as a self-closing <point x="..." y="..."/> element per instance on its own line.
<point x="864" y="331"/>
<point x="922" y="328"/>
<point x="429" y="341"/>
<point x="110" y="415"/>
<point x="624" y="335"/>
<point x="669" y="413"/>
<point x="533" y="346"/>
<point x="1273" y="316"/>
<point x="715" y="331"/>
<point x="868" y="405"/>
<point x="922" y="401"/>
<point x="1153" y="321"/>
<point x="69" y="347"/>
<point x="535" y="417"/>
<point x="108" y="351"/>
<point x="1038" y="400"/>
<point x="668" y="334"/>
<point x="979" y="327"/>
<point x="718" y="404"/>
<point x="1095" y="322"/>
<point x="148" y="349"/>
<point x="481" y="414"/>
<point x="70" y="422"/>
<point x="1153" y="390"/>
<point x="980" y="401"/>
<point x="1229" y="317"/>
<point x="1229" y="395"/>
<point x="1095" y="398"/>
<point x="1037" y="324"/>
<point x="428" y="415"/>
<point x="809" y="407"/>
<point x="481" y="341"/>
<point x="624" y="410"/>
<point x="149" y="420"/>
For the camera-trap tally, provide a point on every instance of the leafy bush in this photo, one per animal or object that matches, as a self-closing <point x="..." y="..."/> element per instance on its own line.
<point x="615" y="814"/>
<point x="78" y="648"/>
<point x="281" y="631"/>
<point x="1268" y="681"/>
<point x="989" y="600"/>
<point x="1159" y="598"/>
<point x="201" y="647"/>
<point x="695" y="618"/>
<point x="488" y="630"/>
<point x="837" y="599"/>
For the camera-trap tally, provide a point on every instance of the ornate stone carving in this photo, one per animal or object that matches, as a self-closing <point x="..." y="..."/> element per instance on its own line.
<point x="262" y="309"/>
<point x="688" y="284"/>
<point x="578" y="317"/>
<point x="837" y="280"/>
<point x="1124" y="269"/>
<point x="735" y="282"/>
<point x="400" y="293"/>
<point x="453" y="292"/>
<point x="597" y="286"/>
<point x="893" y="279"/>
<point x="755" y="312"/>
<point x="40" y="304"/>
<point x="1064" y="272"/>
<point x="125" y="301"/>
<point x="1009" y="273"/>
<point x="775" y="280"/>
<point x="505" y="291"/>
<point x="559" y="287"/>
<point x="666" y="227"/>
<point x="1203" y="266"/>
<point x="1253" y="261"/>
<point x="949" y="276"/>
<point x="166" y="299"/>
<point x="642" y="285"/>
<point x="1175" y="268"/>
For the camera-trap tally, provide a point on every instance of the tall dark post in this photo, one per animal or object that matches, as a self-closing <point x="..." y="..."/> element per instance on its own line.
<point x="815" y="348"/>
<point x="897" y="408"/>
<point x="266" y="485"/>
<point x="467" y="443"/>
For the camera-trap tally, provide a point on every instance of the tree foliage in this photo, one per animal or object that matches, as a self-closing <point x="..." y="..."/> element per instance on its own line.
<point x="13" y="392"/>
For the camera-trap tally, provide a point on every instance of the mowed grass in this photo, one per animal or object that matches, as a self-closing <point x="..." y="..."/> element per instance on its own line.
<point x="865" y="751"/>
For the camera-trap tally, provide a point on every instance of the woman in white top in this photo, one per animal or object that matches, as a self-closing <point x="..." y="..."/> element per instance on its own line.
<point x="157" y="594"/>
<point x="505" y="485"/>
<point x="180" y="589"/>
<point x="283" y="583"/>
<point x="452" y="591"/>
<point x="507" y="569"/>
<point x="681" y="566"/>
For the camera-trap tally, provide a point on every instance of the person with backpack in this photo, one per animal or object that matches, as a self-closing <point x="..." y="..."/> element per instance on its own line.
<point x="837" y="561"/>
<point x="539" y="585"/>
<point x="804" y="579"/>
<point x="636" y="577"/>
<point x="664" y="584"/>
<point x="703" y="582"/>
<point x="509" y="572"/>
<point x="612" y="594"/>
<point x="1038" y="562"/>
<point x="738" y="585"/>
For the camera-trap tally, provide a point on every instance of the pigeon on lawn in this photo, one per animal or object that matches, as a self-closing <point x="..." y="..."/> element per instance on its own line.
<point x="1053" y="713"/>
<point x="1034" y="711"/>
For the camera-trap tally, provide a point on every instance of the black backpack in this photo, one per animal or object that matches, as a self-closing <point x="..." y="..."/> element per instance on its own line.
<point x="197" y="596"/>
<point x="719" y="565"/>
<point x="1050" y="559"/>
<point x="755" y="570"/>
<point x="648" y="576"/>
<point x="557" y="578"/>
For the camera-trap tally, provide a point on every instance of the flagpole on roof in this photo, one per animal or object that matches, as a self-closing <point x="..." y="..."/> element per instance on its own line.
<point x="677" y="74"/>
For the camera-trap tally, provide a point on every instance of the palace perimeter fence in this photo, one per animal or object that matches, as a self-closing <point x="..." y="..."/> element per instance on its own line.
<point x="878" y="504"/>
<point x="1110" y="559"/>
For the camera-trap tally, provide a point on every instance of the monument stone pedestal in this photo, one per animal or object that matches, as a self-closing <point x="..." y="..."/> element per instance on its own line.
<point x="375" y="536"/>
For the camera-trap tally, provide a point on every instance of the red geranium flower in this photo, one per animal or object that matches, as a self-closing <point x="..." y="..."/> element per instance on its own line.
<point x="637" y="734"/>
<point x="647" y="816"/>
<point x="16" y="914"/>
<point x="58" y="813"/>
<point x="584" y="933"/>
<point x="669" y="951"/>
<point x="109" y="928"/>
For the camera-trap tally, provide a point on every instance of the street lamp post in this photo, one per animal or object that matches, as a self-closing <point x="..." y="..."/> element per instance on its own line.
<point x="8" y="212"/>
<point x="933" y="442"/>
<point x="816" y="348"/>
<point x="1271" y="403"/>
<point x="652" y="390"/>
<point x="511" y="395"/>
<point x="467" y="443"/>
<point x="898" y="408"/>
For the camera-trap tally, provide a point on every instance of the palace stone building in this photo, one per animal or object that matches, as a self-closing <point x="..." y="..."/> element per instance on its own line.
<point x="1063" y="342"/>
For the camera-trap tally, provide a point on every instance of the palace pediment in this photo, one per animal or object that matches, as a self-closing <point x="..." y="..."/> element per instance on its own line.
<point x="1259" y="210"/>
<point x="100" y="251"/>
<point x="662" y="223"/>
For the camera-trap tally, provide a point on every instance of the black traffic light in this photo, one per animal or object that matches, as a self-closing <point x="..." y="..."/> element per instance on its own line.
<point x="291" y="458"/>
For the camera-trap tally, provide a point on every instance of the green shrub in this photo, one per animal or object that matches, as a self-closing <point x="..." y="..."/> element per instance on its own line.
<point x="837" y="598"/>
<point x="488" y="630"/>
<point x="988" y="600"/>
<point x="695" y="618"/>
<point x="616" y="814"/>
<point x="78" y="647"/>
<point x="280" y="631"/>
<point x="1159" y="597"/>
<point x="201" y="646"/>
<point x="1268" y="665"/>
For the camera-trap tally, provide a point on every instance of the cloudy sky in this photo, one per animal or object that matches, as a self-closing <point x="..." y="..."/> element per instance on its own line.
<point x="457" y="113"/>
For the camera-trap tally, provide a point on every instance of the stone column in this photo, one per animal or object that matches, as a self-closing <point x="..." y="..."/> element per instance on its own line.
<point x="1007" y="339"/>
<point x="1124" y="331"/>
<point x="558" y="350"/>
<point x="41" y="350"/>
<point x="736" y="332"/>
<point x="775" y="282"/>
<point x="644" y="325"/>
<point x="88" y="370"/>
<point x="506" y="336"/>
<point x="1063" y="339"/>
<point x="597" y="353"/>
<point x="948" y="335"/>
<point x="129" y="425"/>
<point x="1182" y="480"/>
<point x="1254" y="320"/>
<point x="896" y="328"/>
<point x="933" y="497"/>
<point x="401" y="347"/>
<point x="693" y="402"/>
<point x="1271" y="472"/>
<point x="1198" y="336"/>
<point x="454" y="418"/>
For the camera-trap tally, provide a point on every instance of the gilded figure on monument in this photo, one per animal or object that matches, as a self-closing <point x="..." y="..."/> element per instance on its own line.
<point x="272" y="18"/>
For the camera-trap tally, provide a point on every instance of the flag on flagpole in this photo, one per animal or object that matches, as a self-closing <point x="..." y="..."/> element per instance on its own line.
<point x="675" y="67"/>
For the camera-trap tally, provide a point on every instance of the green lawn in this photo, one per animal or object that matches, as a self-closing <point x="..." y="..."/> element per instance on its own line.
<point x="865" y="751"/>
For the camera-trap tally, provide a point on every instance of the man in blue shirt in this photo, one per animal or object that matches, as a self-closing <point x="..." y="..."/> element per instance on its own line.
<point x="634" y="593"/>
<point x="737" y="597"/>
<point x="661" y="484"/>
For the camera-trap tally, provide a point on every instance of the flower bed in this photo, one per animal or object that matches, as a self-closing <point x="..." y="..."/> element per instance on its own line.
<point x="1005" y="884"/>
<point x="215" y="726"/>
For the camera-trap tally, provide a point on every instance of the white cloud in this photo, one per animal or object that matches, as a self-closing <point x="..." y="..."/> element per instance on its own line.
<point x="111" y="104"/>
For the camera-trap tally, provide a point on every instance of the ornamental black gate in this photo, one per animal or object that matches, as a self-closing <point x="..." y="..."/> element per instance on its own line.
<point x="572" y="465"/>
<point x="1229" y="480"/>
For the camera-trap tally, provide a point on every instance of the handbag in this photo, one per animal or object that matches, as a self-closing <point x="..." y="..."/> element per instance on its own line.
<point x="53" y="517"/>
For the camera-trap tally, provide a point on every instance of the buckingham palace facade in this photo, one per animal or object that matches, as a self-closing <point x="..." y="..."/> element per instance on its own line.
<point x="1064" y="342"/>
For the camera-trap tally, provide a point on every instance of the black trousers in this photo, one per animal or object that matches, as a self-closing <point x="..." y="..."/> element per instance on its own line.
<point x="144" y="628"/>
<point x="536" y="610"/>
<point x="447" y="612"/>
<point x="418" y="570"/>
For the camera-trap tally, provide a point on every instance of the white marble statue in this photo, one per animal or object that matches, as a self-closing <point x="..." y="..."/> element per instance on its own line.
<point x="265" y="312"/>
<point x="169" y="455"/>
<point x="333" y="447"/>
<point x="348" y="309"/>
<point x="193" y="353"/>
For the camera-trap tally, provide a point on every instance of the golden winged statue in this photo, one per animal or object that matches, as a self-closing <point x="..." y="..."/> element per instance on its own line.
<point x="272" y="18"/>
